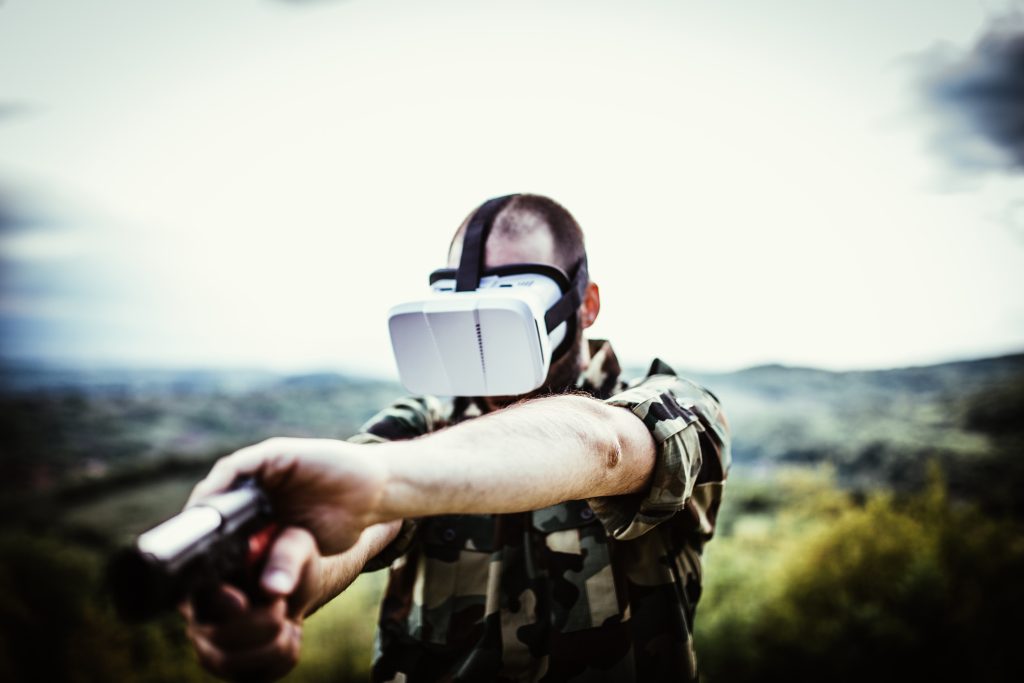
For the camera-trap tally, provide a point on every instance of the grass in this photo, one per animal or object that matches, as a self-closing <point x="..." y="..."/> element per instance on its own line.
<point x="338" y="640"/>
<point x="800" y="575"/>
<point x="56" y="624"/>
<point x="125" y="513"/>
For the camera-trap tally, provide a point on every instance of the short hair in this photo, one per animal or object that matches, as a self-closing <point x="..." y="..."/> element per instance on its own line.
<point x="528" y="212"/>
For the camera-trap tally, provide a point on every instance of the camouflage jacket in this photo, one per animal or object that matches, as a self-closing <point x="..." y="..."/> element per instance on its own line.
<point x="600" y="589"/>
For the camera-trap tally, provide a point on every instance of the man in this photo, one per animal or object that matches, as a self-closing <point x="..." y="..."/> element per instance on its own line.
<point x="557" y="538"/>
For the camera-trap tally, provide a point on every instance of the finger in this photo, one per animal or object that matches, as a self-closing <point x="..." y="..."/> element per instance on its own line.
<point x="249" y="631"/>
<point x="185" y="609"/>
<point x="268" y="662"/>
<point x="218" y="479"/>
<point x="217" y="604"/>
<point x="226" y="470"/>
<point x="293" y="549"/>
<point x="276" y="454"/>
<point x="210" y="656"/>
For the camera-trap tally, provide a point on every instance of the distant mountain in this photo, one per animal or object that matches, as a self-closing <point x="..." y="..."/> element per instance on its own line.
<point x="58" y="424"/>
<point x="882" y="425"/>
<point x="23" y="377"/>
<point x="784" y="380"/>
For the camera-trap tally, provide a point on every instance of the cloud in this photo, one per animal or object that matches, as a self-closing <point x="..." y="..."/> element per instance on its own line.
<point x="12" y="215"/>
<point x="15" y="110"/>
<point x="979" y="98"/>
<point x="8" y="218"/>
<point x="17" y="213"/>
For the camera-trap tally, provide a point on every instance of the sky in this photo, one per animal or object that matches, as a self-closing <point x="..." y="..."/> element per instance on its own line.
<point x="253" y="183"/>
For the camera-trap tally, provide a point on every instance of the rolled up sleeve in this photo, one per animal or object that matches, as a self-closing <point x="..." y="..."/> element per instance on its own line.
<point x="692" y="445"/>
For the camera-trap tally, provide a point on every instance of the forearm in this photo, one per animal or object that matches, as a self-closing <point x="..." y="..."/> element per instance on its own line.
<point x="337" y="572"/>
<point x="522" y="458"/>
<point x="526" y="457"/>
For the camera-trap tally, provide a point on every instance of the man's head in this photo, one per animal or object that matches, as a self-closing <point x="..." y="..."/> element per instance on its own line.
<point x="536" y="229"/>
<point x="530" y="229"/>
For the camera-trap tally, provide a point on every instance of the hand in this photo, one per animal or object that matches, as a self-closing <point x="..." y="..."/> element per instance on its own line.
<point x="236" y="639"/>
<point x="332" y="488"/>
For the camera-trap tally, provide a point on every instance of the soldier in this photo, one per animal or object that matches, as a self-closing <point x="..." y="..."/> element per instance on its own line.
<point x="556" y="538"/>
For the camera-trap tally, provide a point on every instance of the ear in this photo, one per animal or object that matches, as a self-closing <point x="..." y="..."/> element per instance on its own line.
<point x="591" y="305"/>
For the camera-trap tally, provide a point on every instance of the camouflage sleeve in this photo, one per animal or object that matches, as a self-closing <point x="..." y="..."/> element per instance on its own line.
<point x="692" y="440"/>
<point x="406" y="418"/>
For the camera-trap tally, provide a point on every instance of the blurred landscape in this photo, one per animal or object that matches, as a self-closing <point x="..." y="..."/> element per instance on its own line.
<point x="871" y="525"/>
<point x="833" y="183"/>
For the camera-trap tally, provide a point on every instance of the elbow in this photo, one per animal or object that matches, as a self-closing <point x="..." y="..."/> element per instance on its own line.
<point x="598" y="433"/>
<point x="611" y="450"/>
<point x="613" y="458"/>
<point x="631" y="455"/>
<point x="624" y="449"/>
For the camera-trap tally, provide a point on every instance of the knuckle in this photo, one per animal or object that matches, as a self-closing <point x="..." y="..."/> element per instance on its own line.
<point x="284" y="642"/>
<point x="269" y="637"/>
<point x="211" y="659"/>
<point x="300" y="539"/>
<point x="293" y="645"/>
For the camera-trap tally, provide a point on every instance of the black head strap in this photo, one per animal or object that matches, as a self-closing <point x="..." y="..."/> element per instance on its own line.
<point x="471" y="263"/>
<point x="566" y="307"/>
<point x="564" y="310"/>
<point x="471" y="268"/>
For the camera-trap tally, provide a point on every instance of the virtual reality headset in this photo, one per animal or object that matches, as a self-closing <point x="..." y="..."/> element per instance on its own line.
<point x="490" y="332"/>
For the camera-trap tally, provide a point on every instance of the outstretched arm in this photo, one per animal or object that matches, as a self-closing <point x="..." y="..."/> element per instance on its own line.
<point x="525" y="457"/>
<point x="529" y="456"/>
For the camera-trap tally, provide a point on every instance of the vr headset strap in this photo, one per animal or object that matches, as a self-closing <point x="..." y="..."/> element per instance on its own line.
<point x="471" y="264"/>
<point x="565" y="307"/>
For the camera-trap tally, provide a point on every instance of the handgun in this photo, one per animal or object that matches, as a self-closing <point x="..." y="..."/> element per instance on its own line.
<point x="222" y="538"/>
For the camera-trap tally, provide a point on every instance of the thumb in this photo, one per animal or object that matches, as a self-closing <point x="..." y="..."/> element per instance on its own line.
<point x="293" y="549"/>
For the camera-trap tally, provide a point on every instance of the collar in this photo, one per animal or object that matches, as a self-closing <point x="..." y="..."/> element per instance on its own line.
<point x="601" y="374"/>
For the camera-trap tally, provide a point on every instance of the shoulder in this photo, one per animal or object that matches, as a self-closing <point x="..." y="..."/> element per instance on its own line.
<point x="661" y="395"/>
<point x="662" y="379"/>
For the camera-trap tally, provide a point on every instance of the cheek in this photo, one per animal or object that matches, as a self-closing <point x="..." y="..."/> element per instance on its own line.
<point x="568" y="367"/>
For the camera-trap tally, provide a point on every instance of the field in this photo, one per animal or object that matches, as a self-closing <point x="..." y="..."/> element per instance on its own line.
<point x="871" y="524"/>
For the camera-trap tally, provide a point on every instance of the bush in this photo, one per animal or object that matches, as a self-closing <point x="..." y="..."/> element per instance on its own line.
<point x="911" y="588"/>
<point x="55" y="626"/>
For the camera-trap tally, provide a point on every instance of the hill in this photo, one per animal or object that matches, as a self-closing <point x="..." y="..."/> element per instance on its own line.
<point x="60" y="425"/>
<point x="804" y="579"/>
<point x="882" y="425"/>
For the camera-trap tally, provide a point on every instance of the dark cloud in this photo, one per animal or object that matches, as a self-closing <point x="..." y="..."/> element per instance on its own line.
<point x="15" y="214"/>
<point x="979" y="96"/>
<point x="15" y="110"/>
<point x="10" y="218"/>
